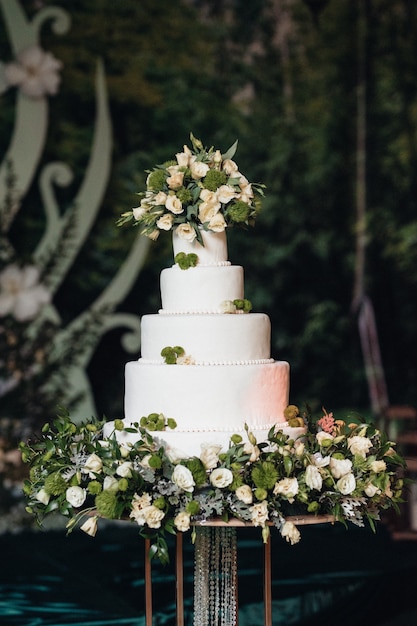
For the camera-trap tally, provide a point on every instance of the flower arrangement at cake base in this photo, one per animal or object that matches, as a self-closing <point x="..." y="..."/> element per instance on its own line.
<point x="346" y="470"/>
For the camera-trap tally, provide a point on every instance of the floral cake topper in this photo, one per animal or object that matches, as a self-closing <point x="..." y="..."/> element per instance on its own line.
<point x="200" y="189"/>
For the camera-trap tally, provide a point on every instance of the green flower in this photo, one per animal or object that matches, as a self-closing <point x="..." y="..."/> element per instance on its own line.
<point x="184" y="195"/>
<point x="94" y="487"/>
<point x="192" y="507"/>
<point x="291" y="411"/>
<point x="198" y="471"/>
<point x="118" y="424"/>
<point x="107" y="504"/>
<point x="157" y="180"/>
<point x="264" y="475"/>
<point x="238" y="212"/>
<point x="214" y="179"/>
<point x="55" y="485"/>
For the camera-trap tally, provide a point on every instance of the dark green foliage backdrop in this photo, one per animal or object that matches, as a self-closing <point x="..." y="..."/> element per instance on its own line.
<point x="280" y="75"/>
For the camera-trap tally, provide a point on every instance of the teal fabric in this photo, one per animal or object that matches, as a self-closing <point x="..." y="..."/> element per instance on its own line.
<point x="333" y="576"/>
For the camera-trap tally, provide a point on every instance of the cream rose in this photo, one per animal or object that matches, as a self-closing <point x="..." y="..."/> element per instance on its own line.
<point x="90" y="526"/>
<point x="230" y="167"/>
<point x="160" y="198"/>
<point x="139" y="212"/>
<point x="186" y="232"/>
<point x="359" y="445"/>
<point x="210" y="455"/>
<point x="323" y="437"/>
<point x="183" y="158"/>
<point x="252" y="450"/>
<point x="198" y="169"/>
<point x="93" y="465"/>
<point x="110" y="483"/>
<point x="75" y="496"/>
<point x="378" y="466"/>
<point x="340" y="467"/>
<point x="217" y="223"/>
<point x="259" y="513"/>
<point x="313" y="477"/>
<point x="125" y="469"/>
<point x="290" y="533"/>
<point x="183" y="478"/>
<point x="371" y="490"/>
<point x="225" y="193"/>
<point x="287" y="487"/>
<point x="174" y="204"/>
<point x="346" y="484"/>
<point x="221" y="477"/>
<point x="246" y="193"/>
<point x="182" y="521"/>
<point x="42" y="496"/>
<point x="165" y="222"/>
<point x="320" y="460"/>
<point x="227" y="306"/>
<point x="176" y="180"/>
<point x="244" y="494"/>
<point x="153" y="516"/>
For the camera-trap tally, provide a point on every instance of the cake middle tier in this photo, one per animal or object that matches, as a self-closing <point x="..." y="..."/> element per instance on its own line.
<point x="208" y="338"/>
<point x="208" y="398"/>
<point x="200" y="289"/>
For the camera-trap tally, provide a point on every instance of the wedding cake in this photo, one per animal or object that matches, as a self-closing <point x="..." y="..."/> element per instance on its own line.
<point x="205" y="364"/>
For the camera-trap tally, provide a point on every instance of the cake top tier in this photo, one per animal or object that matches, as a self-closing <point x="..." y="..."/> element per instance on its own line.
<point x="200" y="190"/>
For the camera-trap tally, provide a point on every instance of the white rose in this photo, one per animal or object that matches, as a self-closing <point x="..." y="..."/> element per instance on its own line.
<point x="371" y="490"/>
<point x="90" y="526"/>
<point x="174" y="454"/>
<point x="290" y="533"/>
<point x="244" y="494"/>
<point x="182" y="521"/>
<point x="246" y="193"/>
<point x="378" y="466"/>
<point x="210" y="455"/>
<point x="359" y="445"/>
<point x="124" y="450"/>
<point x="176" y="180"/>
<point x="174" y="204"/>
<point x="320" y="460"/>
<point x="42" y="496"/>
<point x="160" y="198"/>
<point x="208" y="210"/>
<point x="198" y="169"/>
<point x="110" y="483"/>
<point x="186" y="232"/>
<point x="340" y="467"/>
<point x="287" y="487"/>
<point x="346" y="484"/>
<point x="323" y="436"/>
<point x="182" y="159"/>
<point x="225" y="193"/>
<point x="259" y="513"/>
<point x="230" y="167"/>
<point x="139" y="504"/>
<point x="125" y="469"/>
<point x="227" y="306"/>
<point x="221" y="477"/>
<point x="165" y="222"/>
<point x="153" y="516"/>
<point x="299" y="447"/>
<point x="252" y="450"/>
<point x="139" y="212"/>
<point x="93" y="465"/>
<point x="313" y="478"/>
<point x="75" y="496"/>
<point x="217" y="223"/>
<point x="183" y="478"/>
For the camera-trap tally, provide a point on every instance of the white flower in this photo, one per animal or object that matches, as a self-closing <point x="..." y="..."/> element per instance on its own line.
<point x="175" y="180"/>
<point x="246" y="193"/>
<point x="174" y="204"/>
<point x="93" y="465"/>
<point x="230" y="167"/>
<point x="198" y="169"/>
<point x="183" y="157"/>
<point x="320" y="460"/>
<point x="210" y="455"/>
<point x="208" y="211"/>
<point x="221" y="477"/>
<point x="225" y="193"/>
<point x="346" y="484"/>
<point x="299" y="447"/>
<point x="35" y="72"/>
<point x="287" y="487"/>
<point x="340" y="467"/>
<point x="227" y="306"/>
<point x="313" y="477"/>
<point x="185" y="359"/>
<point x="153" y="516"/>
<point x="183" y="478"/>
<point x="125" y="469"/>
<point x="253" y="451"/>
<point x="174" y="454"/>
<point x="110" y="483"/>
<point x="259" y="513"/>
<point x="186" y="232"/>
<point x="124" y="450"/>
<point x="359" y="445"/>
<point x="182" y="521"/>
<point x="139" y="504"/>
<point x="371" y="490"/>
<point x="21" y="294"/>
<point x="217" y="223"/>
<point x="75" y="496"/>
<point x="244" y="494"/>
<point x="322" y="436"/>
<point x="139" y="212"/>
<point x="378" y="466"/>
<point x="290" y="533"/>
<point x="42" y="496"/>
<point x="90" y="526"/>
<point x="165" y="222"/>
<point x="160" y="198"/>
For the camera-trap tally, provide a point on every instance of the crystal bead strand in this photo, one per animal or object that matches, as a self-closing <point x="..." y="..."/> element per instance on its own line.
<point x="201" y="577"/>
<point x="228" y="577"/>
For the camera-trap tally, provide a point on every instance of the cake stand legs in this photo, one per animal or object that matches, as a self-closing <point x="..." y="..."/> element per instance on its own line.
<point x="179" y="577"/>
<point x="148" y="584"/>
<point x="267" y="584"/>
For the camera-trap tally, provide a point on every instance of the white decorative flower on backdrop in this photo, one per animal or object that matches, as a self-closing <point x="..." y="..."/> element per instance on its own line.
<point x="35" y="72"/>
<point x="21" y="293"/>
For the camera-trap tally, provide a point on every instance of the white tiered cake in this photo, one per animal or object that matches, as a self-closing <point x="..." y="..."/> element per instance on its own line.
<point x="226" y="379"/>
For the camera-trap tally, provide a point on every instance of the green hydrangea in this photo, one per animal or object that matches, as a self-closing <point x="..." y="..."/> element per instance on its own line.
<point x="239" y="212"/>
<point x="185" y="261"/>
<point x="214" y="179"/>
<point x="107" y="504"/>
<point x="265" y="475"/>
<point x="157" y="180"/>
<point x="198" y="471"/>
<point x="55" y="485"/>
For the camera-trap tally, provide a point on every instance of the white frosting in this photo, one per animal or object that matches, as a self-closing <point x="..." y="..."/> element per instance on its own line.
<point x="200" y="288"/>
<point x="214" y="250"/>
<point x="208" y="338"/>
<point x="203" y="398"/>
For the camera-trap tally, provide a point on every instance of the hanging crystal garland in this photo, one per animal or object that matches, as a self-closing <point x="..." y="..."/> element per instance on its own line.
<point x="215" y="576"/>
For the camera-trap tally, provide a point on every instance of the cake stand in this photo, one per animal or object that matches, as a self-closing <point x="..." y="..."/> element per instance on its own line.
<point x="215" y="569"/>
